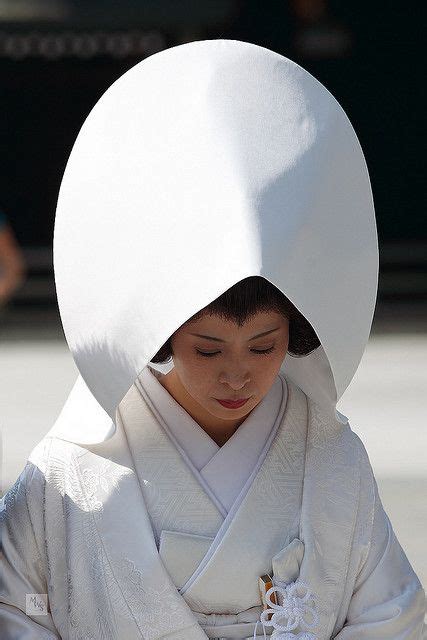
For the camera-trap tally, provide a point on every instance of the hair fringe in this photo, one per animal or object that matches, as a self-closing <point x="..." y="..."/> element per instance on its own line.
<point x="245" y="299"/>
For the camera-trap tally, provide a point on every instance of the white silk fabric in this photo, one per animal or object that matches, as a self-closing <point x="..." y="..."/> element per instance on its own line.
<point x="202" y="165"/>
<point x="225" y="469"/>
<point x="80" y="523"/>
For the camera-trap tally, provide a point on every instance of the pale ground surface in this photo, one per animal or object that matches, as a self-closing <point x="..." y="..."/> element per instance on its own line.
<point x="384" y="404"/>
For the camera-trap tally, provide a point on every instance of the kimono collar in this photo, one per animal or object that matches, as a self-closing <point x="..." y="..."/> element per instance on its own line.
<point x="202" y="165"/>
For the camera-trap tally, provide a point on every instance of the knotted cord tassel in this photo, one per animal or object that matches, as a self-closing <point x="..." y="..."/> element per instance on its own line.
<point x="291" y="611"/>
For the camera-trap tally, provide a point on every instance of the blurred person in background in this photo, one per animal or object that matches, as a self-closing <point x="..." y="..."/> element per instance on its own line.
<point x="12" y="263"/>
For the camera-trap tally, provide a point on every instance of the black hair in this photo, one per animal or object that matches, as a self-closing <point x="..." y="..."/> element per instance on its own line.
<point x="245" y="299"/>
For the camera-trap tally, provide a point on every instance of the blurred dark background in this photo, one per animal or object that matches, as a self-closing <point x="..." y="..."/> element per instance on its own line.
<point x="57" y="57"/>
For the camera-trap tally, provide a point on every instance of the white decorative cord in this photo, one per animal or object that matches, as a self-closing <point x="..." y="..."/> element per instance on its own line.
<point x="294" y="608"/>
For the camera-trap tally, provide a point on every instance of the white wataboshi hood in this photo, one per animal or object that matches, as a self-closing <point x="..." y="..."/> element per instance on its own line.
<point x="202" y="165"/>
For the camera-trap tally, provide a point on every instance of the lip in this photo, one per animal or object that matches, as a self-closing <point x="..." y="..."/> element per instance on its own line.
<point x="230" y="404"/>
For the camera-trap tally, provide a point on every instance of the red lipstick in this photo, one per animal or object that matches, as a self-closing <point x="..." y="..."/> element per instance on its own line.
<point x="229" y="404"/>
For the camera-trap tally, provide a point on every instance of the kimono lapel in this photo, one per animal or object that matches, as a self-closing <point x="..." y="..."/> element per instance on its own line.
<point x="239" y="548"/>
<point x="259" y="525"/>
<point x="175" y="494"/>
<point x="114" y="496"/>
<point x="320" y="557"/>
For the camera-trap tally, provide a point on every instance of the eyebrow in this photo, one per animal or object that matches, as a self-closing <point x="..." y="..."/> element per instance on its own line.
<point x="265" y="333"/>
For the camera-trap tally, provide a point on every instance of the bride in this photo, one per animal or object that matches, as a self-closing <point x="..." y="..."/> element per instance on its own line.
<point x="216" y="265"/>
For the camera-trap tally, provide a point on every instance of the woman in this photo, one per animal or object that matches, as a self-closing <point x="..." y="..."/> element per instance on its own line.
<point x="216" y="208"/>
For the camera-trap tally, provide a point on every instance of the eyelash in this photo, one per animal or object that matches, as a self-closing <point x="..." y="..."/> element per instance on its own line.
<point x="257" y="351"/>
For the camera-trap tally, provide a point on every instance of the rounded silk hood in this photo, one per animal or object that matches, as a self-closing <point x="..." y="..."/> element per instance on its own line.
<point x="202" y="165"/>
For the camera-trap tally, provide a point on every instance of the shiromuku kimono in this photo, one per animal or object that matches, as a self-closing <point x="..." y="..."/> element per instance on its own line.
<point x="202" y="165"/>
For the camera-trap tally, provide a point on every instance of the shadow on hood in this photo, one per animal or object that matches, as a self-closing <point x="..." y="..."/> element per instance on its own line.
<point x="202" y="165"/>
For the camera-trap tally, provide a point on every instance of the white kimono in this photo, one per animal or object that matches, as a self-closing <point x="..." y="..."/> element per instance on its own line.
<point x="81" y="523"/>
<point x="205" y="164"/>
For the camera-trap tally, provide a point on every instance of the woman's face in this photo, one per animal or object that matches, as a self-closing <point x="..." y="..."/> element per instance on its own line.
<point x="216" y="359"/>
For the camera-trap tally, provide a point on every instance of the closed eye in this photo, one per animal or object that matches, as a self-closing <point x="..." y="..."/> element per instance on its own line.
<point x="214" y="353"/>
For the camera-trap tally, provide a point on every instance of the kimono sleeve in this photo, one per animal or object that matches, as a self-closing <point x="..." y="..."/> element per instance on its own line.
<point x="388" y="600"/>
<point x="24" y="605"/>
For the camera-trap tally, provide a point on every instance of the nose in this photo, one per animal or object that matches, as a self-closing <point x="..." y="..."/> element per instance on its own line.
<point x="235" y="381"/>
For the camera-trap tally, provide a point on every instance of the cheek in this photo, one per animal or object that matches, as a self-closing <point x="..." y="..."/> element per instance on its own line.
<point x="267" y="370"/>
<point x="199" y="383"/>
<point x="195" y="374"/>
<point x="199" y="367"/>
